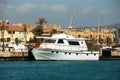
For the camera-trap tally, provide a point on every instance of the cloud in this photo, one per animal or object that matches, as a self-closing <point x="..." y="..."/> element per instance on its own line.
<point x="104" y="12"/>
<point x="86" y="10"/>
<point x="26" y="7"/>
<point x="2" y="10"/>
<point x="22" y="8"/>
<point x="58" y="8"/>
<point x="92" y="11"/>
<point x="54" y="8"/>
<point x="2" y="7"/>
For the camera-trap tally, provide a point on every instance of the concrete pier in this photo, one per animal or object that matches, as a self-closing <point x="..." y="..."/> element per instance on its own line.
<point x="13" y="56"/>
<point x="109" y="54"/>
<point x="8" y="56"/>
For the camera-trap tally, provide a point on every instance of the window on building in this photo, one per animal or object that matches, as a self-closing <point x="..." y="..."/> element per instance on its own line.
<point x="8" y="39"/>
<point x="99" y="36"/>
<point x="90" y="36"/>
<point x="21" y="32"/>
<point x="11" y="32"/>
<point x="79" y="36"/>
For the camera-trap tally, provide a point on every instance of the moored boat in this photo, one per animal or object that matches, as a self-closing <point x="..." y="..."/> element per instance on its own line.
<point x="64" y="47"/>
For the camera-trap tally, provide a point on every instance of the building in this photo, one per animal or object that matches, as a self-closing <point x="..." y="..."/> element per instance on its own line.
<point x="47" y="29"/>
<point x="92" y="33"/>
<point x="16" y="31"/>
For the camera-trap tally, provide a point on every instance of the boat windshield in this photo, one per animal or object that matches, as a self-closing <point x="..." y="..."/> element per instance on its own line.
<point x="49" y="41"/>
<point x="73" y="43"/>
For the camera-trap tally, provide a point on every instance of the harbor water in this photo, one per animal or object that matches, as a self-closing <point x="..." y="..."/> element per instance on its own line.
<point x="60" y="70"/>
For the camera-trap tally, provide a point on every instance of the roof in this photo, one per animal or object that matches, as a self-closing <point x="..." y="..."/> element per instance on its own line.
<point x="63" y="35"/>
<point x="15" y="28"/>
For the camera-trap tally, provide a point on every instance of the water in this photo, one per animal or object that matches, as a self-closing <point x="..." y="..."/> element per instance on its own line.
<point x="60" y="70"/>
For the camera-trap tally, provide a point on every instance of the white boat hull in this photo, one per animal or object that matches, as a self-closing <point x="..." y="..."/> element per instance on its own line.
<point x="51" y="54"/>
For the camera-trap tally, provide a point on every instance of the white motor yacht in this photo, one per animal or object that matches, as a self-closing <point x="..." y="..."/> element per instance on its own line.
<point x="64" y="47"/>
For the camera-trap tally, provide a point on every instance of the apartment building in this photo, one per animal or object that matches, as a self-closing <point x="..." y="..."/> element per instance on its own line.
<point x="15" y="31"/>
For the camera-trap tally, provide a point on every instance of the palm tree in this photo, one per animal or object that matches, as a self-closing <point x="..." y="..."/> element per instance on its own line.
<point x="41" y="20"/>
<point x="25" y="26"/>
<point x="37" y="30"/>
<point x="101" y="40"/>
<point x="39" y="24"/>
<point x="53" y="31"/>
<point x="109" y="41"/>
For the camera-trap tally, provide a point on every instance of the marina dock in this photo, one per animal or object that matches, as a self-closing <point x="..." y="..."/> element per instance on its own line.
<point x="22" y="56"/>
<point x="108" y="54"/>
<point x="6" y="56"/>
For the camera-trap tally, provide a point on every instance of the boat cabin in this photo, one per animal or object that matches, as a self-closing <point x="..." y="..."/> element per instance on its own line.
<point x="64" y="44"/>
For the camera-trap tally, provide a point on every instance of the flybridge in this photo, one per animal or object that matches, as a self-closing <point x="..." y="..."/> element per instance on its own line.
<point x="63" y="36"/>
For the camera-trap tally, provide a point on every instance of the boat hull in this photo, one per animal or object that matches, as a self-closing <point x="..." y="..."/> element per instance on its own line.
<point x="53" y="54"/>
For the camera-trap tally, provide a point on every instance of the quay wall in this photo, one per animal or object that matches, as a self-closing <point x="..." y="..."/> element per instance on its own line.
<point x="7" y="56"/>
<point x="109" y="54"/>
<point x="14" y="56"/>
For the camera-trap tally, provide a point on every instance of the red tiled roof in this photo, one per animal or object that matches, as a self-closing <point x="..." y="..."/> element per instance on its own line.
<point x="15" y="28"/>
<point x="30" y="28"/>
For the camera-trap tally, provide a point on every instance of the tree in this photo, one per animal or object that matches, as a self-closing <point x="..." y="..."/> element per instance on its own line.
<point x="53" y="31"/>
<point x="39" y="26"/>
<point x="37" y="30"/>
<point x="25" y="26"/>
<point x="92" y="44"/>
<point x="101" y="40"/>
<point x="33" y="40"/>
<point x="16" y="41"/>
<point x="41" y="20"/>
<point x="109" y="41"/>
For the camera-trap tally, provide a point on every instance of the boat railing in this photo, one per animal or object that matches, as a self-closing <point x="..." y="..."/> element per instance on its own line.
<point x="67" y="47"/>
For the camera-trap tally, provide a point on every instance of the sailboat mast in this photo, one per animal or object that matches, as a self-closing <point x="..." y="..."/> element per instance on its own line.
<point x="98" y="28"/>
<point x="71" y="22"/>
<point x="72" y="19"/>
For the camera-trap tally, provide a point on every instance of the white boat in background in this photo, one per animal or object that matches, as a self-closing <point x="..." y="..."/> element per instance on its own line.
<point x="64" y="47"/>
<point x="16" y="48"/>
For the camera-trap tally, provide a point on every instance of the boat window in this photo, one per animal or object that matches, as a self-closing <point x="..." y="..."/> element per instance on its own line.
<point x="49" y="41"/>
<point x="60" y="41"/>
<point x="73" y="43"/>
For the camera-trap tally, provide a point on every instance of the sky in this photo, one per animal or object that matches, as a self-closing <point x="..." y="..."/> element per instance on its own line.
<point x="59" y="12"/>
